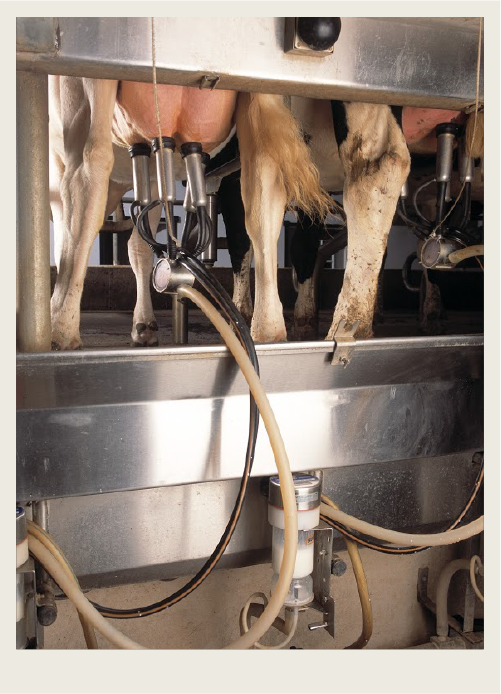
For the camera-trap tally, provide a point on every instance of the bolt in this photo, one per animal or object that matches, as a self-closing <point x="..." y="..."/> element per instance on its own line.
<point x="338" y="566"/>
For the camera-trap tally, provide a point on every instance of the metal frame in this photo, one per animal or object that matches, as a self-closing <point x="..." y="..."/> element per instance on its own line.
<point x="95" y="422"/>
<point x="421" y="62"/>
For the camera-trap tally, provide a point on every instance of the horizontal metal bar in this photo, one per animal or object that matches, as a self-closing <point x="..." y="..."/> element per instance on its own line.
<point x="396" y="61"/>
<point x="110" y="421"/>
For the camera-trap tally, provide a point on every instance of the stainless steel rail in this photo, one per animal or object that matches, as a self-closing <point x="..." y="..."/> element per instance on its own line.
<point x="419" y="62"/>
<point x="108" y="421"/>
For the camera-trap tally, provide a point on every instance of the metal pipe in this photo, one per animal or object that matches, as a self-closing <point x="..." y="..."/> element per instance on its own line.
<point x="443" y="590"/>
<point x="209" y="256"/>
<point x="179" y="321"/>
<point x="33" y="212"/>
<point x="140" y="155"/>
<point x="196" y="178"/>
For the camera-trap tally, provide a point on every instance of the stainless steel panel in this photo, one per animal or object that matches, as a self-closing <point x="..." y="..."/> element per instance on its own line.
<point x="163" y="533"/>
<point x="396" y="60"/>
<point x="106" y="421"/>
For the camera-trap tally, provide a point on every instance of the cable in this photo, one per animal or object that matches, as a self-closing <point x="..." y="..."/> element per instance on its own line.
<point x="473" y="561"/>
<point x="415" y="197"/>
<point x="67" y="584"/>
<point x="245" y="623"/>
<point x="143" y="228"/>
<point x="420" y="231"/>
<point x="398" y="538"/>
<point x="363" y="594"/>
<point x="463" y="253"/>
<point x="72" y="590"/>
<point x="362" y="587"/>
<point x="403" y="550"/>
<point x="262" y="624"/>
<point x="44" y="538"/>
<point x="211" y="285"/>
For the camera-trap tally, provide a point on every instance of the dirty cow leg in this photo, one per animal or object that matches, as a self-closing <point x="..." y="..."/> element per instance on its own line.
<point x="264" y="199"/>
<point x="239" y="245"/>
<point x="376" y="162"/>
<point x="379" y="302"/>
<point x="144" y="326"/>
<point x="86" y="112"/>
<point x="304" y="248"/>
<point x="431" y="308"/>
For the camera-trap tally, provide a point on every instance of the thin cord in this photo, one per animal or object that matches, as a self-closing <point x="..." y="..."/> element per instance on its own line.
<point x="470" y="144"/>
<point x="160" y="141"/>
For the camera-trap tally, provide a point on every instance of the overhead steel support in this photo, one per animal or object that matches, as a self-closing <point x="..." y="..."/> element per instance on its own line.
<point x="33" y="213"/>
<point x="401" y="61"/>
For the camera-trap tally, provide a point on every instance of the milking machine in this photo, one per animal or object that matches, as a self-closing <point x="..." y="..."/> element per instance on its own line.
<point x="442" y="240"/>
<point x="301" y="578"/>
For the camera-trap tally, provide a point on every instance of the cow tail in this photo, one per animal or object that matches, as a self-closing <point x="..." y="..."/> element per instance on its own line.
<point x="274" y="130"/>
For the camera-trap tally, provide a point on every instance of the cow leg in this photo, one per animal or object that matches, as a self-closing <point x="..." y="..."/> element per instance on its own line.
<point x="264" y="198"/>
<point x="379" y="303"/>
<point x="304" y="248"/>
<point x="376" y="162"/>
<point x="239" y="245"/>
<point x="144" y="326"/>
<point x="431" y="308"/>
<point x="86" y="112"/>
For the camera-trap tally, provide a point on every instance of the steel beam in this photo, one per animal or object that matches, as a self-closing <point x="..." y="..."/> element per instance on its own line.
<point x="406" y="61"/>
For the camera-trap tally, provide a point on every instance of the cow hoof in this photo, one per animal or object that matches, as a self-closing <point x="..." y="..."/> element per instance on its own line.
<point x="269" y="336"/>
<point x="304" y="330"/>
<point x="72" y="345"/>
<point x="145" y="335"/>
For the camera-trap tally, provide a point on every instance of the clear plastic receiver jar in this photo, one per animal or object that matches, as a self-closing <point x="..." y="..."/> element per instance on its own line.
<point x="307" y="490"/>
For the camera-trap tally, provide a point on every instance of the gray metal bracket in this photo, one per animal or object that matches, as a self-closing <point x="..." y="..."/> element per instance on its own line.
<point x="323" y="602"/>
<point x="344" y="338"/>
<point x="34" y="632"/>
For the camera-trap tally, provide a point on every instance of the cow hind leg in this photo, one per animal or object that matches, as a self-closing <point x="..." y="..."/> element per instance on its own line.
<point x="239" y="245"/>
<point x="277" y="170"/>
<point x="431" y="308"/>
<point x="304" y="249"/>
<point x="376" y="162"/>
<point x="86" y="111"/>
<point x="264" y="198"/>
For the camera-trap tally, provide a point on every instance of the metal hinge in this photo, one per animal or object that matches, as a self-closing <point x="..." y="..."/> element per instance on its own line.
<point x="344" y="338"/>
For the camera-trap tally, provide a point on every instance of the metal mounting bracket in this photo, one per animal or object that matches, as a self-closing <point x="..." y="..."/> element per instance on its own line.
<point x="344" y="338"/>
<point x="323" y="602"/>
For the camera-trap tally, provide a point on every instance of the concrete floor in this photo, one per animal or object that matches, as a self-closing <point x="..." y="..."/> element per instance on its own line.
<point x="209" y="617"/>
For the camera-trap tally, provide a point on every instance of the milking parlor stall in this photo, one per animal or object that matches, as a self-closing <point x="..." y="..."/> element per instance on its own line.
<point x="250" y="333"/>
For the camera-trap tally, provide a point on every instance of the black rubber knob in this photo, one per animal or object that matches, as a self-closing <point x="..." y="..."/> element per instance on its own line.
<point x="319" y="33"/>
<point x="47" y="614"/>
